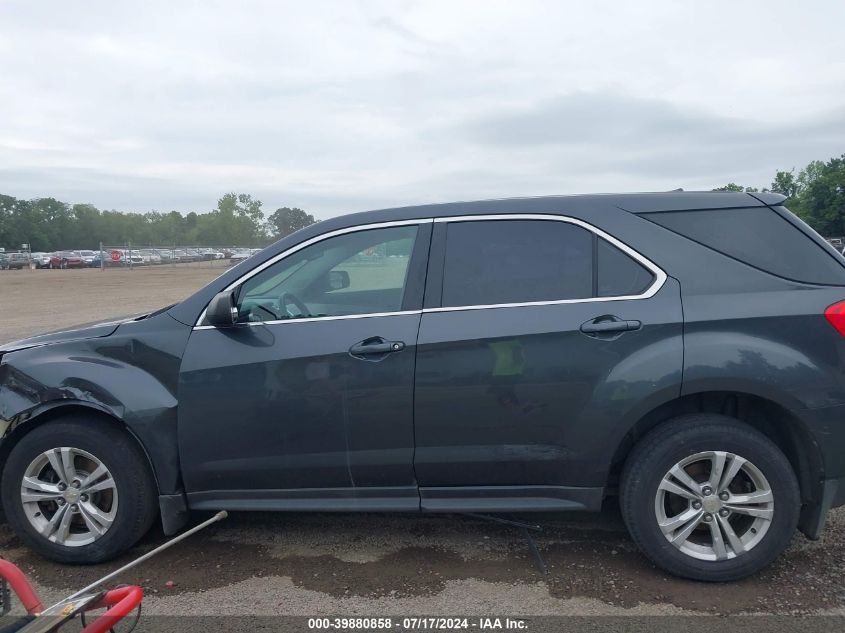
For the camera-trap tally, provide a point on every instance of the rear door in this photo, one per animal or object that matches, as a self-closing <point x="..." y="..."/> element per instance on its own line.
<point x="539" y="334"/>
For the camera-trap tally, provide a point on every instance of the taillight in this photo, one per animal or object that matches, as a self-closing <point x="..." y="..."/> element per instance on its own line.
<point x="835" y="315"/>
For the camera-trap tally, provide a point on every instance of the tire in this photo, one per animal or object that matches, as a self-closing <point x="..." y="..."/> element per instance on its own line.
<point x="708" y="553"/>
<point x="132" y="510"/>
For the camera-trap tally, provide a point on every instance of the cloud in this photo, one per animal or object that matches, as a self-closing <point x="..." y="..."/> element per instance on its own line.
<point x="339" y="106"/>
<point x="630" y="122"/>
<point x="634" y="136"/>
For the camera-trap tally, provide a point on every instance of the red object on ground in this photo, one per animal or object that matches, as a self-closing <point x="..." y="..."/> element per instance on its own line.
<point x="20" y="585"/>
<point x="121" y="602"/>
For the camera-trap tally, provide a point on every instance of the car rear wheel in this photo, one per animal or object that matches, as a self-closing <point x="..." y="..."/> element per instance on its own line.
<point x="709" y="498"/>
<point x="78" y="490"/>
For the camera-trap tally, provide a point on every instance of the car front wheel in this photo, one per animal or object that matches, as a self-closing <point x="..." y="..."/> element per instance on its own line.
<point x="78" y="490"/>
<point x="708" y="497"/>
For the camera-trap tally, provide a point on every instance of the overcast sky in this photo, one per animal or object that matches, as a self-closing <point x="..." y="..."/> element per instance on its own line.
<point x="343" y="106"/>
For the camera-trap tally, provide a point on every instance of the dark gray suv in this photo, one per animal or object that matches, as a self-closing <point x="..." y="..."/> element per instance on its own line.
<point x="683" y="351"/>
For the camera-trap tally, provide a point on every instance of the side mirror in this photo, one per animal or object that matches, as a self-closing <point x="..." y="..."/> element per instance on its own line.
<point x="338" y="280"/>
<point x="221" y="311"/>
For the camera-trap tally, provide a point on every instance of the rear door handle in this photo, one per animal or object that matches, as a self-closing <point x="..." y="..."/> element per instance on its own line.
<point x="376" y="345"/>
<point x="609" y="325"/>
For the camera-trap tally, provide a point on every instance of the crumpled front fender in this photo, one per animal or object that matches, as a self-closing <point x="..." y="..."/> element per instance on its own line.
<point x="131" y="376"/>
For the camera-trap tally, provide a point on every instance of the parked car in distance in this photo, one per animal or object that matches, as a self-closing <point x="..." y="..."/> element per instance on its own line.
<point x="4" y="261"/>
<point x="134" y="257"/>
<point x="165" y="255"/>
<point x="183" y="256"/>
<point x="66" y="259"/>
<point x="17" y="261"/>
<point x="149" y="256"/>
<point x="88" y="257"/>
<point x="41" y="260"/>
<point x="238" y="255"/>
<point x="684" y="351"/>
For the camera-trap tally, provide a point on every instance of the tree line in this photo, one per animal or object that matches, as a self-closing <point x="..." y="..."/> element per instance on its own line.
<point x="47" y="224"/>
<point x="815" y="193"/>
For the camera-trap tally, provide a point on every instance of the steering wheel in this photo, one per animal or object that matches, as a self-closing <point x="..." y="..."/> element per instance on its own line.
<point x="290" y="298"/>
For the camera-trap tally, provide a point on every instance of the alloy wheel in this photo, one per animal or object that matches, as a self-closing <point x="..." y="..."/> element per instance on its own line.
<point x="69" y="496"/>
<point x="714" y="505"/>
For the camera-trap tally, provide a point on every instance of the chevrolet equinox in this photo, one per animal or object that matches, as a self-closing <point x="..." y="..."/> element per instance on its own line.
<point x="684" y="351"/>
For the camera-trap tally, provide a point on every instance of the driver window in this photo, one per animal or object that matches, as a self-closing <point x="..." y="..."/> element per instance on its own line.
<point x="357" y="273"/>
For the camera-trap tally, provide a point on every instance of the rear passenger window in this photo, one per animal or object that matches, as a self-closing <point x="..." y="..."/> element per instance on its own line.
<point x="618" y="274"/>
<point x="759" y="237"/>
<point x="516" y="261"/>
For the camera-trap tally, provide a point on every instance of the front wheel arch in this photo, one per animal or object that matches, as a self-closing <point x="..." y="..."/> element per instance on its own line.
<point x="60" y="410"/>
<point x="112" y="514"/>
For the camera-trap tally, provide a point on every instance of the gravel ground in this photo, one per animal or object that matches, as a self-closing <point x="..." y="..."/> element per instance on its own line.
<point x="311" y="564"/>
<point x="306" y="564"/>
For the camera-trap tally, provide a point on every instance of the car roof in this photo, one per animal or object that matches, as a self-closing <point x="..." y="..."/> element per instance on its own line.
<point x="633" y="202"/>
<point x="580" y="204"/>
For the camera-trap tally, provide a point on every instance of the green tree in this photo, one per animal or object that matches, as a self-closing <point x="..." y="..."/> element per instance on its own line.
<point x="49" y="224"/>
<point x="786" y="184"/>
<point x="84" y="226"/>
<point x="821" y="196"/>
<point x="7" y="209"/>
<point x="237" y="221"/>
<point x="732" y="186"/>
<point x="286" y="220"/>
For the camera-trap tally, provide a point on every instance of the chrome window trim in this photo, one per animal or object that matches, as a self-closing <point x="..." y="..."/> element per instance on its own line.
<point x="659" y="275"/>
<point x="365" y="315"/>
<point x="299" y="247"/>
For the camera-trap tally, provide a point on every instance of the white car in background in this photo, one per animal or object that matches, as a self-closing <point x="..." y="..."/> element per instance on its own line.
<point x="165" y="254"/>
<point x="41" y="260"/>
<point x="239" y="255"/>
<point x="87" y="257"/>
<point x="149" y="256"/>
<point x="211" y="253"/>
<point x="132" y="257"/>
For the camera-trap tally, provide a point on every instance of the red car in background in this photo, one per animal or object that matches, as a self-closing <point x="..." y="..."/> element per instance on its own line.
<point x="66" y="259"/>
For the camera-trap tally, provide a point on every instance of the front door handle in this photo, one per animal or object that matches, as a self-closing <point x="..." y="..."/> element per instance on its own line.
<point x="375" y="346"/>
<point x="609" y="324"/>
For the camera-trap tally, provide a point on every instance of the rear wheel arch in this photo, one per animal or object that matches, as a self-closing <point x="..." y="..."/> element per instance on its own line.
<point x="770" y="418"/>
<point x="704" y="524"/>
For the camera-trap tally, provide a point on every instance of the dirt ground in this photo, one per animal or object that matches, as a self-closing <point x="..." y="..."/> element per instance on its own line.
<point x="367" y="565"/>
<point x="38" y="301"/>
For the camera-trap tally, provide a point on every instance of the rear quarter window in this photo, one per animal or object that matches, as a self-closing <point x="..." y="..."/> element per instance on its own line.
<point x="759" y="237"/>
<point x="618" y="274"/>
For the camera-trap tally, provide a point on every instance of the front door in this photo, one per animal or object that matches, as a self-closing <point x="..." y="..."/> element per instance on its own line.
<point x="307" y="403"/>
